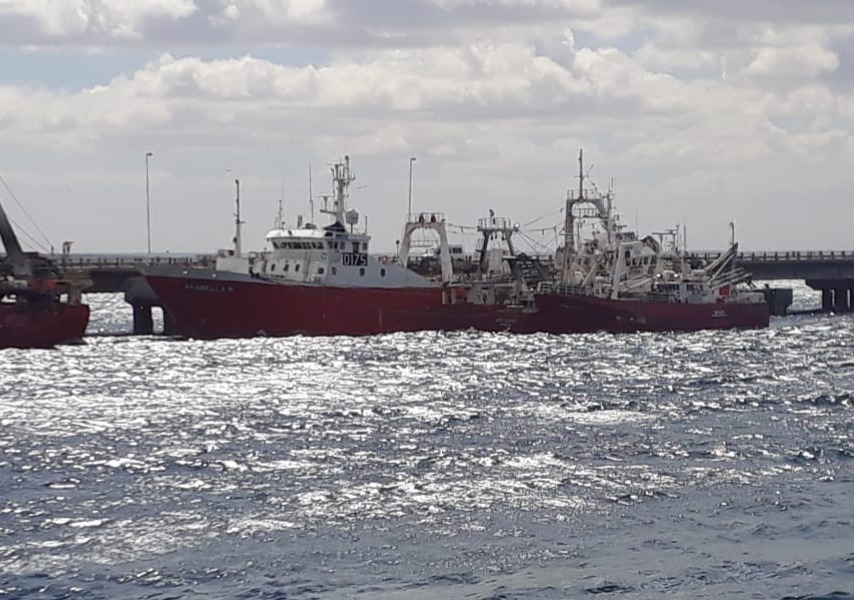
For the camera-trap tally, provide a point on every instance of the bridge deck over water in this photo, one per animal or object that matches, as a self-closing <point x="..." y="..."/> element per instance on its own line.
<point x="764" y="265"/>
<point x="831" y="271"/>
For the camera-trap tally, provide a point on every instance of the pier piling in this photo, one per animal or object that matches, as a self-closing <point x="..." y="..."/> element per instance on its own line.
<point x="143" y="323"/>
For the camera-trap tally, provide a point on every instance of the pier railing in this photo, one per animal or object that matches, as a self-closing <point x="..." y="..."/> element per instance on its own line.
<point x="785" y="255"/>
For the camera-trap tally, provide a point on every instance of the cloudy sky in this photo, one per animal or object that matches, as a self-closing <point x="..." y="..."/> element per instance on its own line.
<point x="700" y="112"/>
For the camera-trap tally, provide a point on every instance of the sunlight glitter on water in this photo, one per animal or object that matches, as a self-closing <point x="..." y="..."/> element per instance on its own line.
<point x="466" y="449"/>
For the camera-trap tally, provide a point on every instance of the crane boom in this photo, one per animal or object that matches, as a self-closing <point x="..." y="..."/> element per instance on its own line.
<point x="15" y="255"/>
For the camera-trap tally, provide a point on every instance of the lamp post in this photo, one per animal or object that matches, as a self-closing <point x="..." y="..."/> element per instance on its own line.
<point x="409" y="209"/>
<point x="148" y="155"/>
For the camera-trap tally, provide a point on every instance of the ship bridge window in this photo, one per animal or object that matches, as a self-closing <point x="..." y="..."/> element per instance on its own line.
<point x="356" y="247"/>
<point x="287" y="267"/>
<point x="296" y="268"/>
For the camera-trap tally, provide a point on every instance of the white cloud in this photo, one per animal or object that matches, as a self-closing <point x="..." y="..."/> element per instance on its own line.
<point x="493" y="96"/>
<point x="798" y="62"/>
<point x="75" y="19"/>
<point x="271" y="13"/>
<point x="329" y="23"/>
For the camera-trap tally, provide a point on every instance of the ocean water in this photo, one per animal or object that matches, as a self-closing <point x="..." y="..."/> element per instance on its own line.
<point x="423" y="466"/>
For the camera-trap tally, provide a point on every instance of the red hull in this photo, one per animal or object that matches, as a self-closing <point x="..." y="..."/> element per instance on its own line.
<point x="212" y="309"/>
<point x="205" y="308"/>
<point x="41" y="325"/>
<point x="586" y="314"/>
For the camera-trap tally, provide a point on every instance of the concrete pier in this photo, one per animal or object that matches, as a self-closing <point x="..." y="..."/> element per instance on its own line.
<point x="779" y="300"/>
<point x="837" y="295"/>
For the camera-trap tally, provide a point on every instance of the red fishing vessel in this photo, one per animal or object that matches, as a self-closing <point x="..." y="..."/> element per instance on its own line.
<point x="39" y="307"/>
<point x="323" y="281"/>
<point x="616" y="282"/>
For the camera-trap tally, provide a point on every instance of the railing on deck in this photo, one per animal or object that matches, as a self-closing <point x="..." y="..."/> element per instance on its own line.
<point x="130" y="261"/>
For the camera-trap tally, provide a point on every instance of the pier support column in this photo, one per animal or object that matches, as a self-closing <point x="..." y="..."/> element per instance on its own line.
<point x="143" y="323"/>
<point x="827" y="300"/>
<point x="840" y="300"/>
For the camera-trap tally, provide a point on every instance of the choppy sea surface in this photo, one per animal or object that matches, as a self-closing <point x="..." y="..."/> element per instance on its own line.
<point x="424" y="466"/>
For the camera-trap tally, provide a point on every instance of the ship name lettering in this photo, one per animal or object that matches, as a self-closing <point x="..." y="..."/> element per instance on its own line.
<point x="209" y="287"/>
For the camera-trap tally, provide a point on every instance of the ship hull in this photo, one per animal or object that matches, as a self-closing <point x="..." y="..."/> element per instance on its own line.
<point x="42" y="325"/>
<point x="204" y="308"/>
<point x="207" y="305"/>
<point x="559" y="313"/>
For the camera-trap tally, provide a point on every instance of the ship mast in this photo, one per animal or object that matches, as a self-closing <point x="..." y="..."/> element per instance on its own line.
<point x="569" y="220"/>
<point x="237" y="222"/>
<point x="310" y="195"/>
<point x="280" y="214"/>
<point x="342" y="177"/>
<point x="20" y="263"/>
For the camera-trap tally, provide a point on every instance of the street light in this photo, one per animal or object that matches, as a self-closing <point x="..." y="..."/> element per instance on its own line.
<point x="148" y="155"/>
<point x="409" y="209"/>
